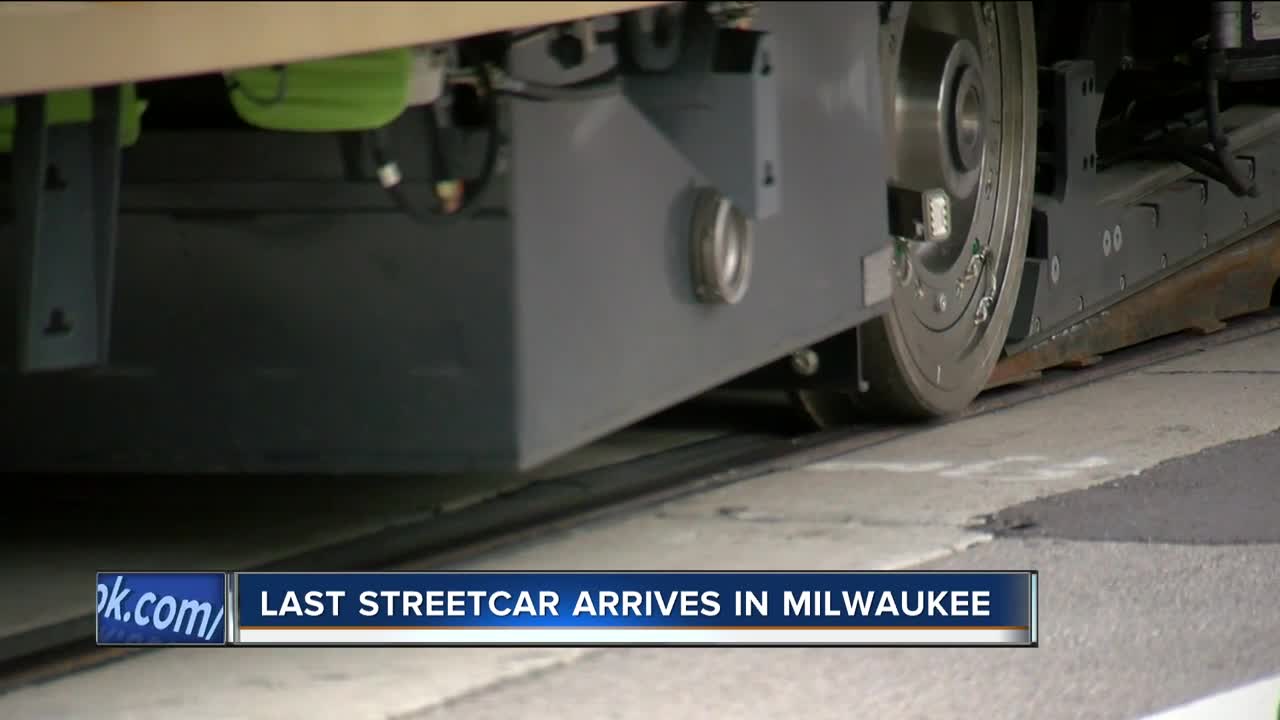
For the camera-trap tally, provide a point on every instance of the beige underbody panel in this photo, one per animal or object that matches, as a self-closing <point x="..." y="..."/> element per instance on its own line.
<point x="55" y="45"/>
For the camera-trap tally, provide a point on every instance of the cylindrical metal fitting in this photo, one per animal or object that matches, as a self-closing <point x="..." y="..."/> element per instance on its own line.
<point x="721" y="249"/>
<point x="1226" y="27"/>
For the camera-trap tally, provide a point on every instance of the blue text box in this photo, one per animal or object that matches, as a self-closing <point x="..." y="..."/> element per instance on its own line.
<point x="673" y="599"/>
<point x="161" y="608"/>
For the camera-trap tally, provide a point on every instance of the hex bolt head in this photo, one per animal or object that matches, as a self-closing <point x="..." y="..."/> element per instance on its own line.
<point x="804" y="362"/>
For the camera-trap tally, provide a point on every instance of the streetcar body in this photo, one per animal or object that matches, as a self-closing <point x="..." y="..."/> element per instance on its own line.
<point x="482" y="244"/>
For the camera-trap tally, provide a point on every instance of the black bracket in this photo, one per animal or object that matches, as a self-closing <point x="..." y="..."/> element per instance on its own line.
<point x="1066" y="214"/>
<point x="915" y="215"/>
<point x="66" y="182"/>
<point x="906" y="213"/>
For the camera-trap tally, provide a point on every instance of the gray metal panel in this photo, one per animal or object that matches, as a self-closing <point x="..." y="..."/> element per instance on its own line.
<point x="324" y="340"/>
<point x="609" y="328"/>
<point x="1266" y="20"/>
<point x="722" y="114"/>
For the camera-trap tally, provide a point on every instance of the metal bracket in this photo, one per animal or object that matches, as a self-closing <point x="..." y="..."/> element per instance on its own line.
<point x="835" y="364"/>
<point x="66" y="181"/>
<point x="906" y="213"/>
<point x="862" y="384"/>
<point x="719" y="107"/>
<point x="840" y="364"/>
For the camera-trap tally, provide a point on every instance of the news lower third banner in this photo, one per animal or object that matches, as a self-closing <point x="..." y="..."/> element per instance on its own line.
<point x="569" y="609"/>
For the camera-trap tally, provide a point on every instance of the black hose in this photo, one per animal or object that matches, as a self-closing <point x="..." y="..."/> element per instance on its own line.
<point x="1198" y="159"/>
<point x="1218" y="164"/>
<point x="1205" y="163"/>
<point x="1221" y="145"/>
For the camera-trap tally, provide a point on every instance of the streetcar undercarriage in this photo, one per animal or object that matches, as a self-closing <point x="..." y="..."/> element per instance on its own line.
<point x="482" y="254"/>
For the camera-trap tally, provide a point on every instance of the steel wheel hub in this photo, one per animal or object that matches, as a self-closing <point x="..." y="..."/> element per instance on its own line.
<point x="953" y="94"/>
<point x="959" y="82"/>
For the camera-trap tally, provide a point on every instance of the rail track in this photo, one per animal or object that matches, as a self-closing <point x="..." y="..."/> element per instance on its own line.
<point x="1228" y="297"/>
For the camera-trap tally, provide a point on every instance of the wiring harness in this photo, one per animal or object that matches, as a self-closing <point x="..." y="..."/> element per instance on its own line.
<point x="455" y="197"/>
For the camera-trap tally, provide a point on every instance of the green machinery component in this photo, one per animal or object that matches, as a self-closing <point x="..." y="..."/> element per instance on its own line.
<point x="69" y="107"/>
<point x="357" y="92"/>
<point x="352" y="93"/>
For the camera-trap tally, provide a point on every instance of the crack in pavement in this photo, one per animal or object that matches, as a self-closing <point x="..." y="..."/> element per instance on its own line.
<point x="495" y="685"/>
<point x="745" y="514"/>
<point x="1211" y="372"/>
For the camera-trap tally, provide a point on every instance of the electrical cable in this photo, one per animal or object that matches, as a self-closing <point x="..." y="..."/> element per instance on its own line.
<point x="389" y="174"/>
<point x="593" y="88"/>
<point x="490" y="83"/>
<point x="1216" y="162"/>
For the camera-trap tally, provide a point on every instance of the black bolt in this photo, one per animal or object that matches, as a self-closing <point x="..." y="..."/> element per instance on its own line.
<point x="568" y="50"/>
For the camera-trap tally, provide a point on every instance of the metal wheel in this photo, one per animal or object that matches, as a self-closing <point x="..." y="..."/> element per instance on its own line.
<point x="960" y="113"/>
